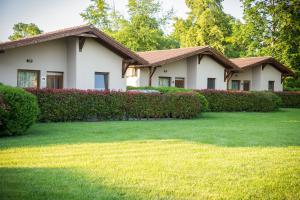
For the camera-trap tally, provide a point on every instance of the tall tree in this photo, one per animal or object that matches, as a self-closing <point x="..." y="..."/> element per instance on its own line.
<point x="22" y="30"/>
<point x="273" y="28"/>
<point x="142" y="31"/>
<point x="206" y="24"/>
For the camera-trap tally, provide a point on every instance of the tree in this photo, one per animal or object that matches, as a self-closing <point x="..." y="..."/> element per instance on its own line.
<point x="273" y="28"/>
<point x="206" y="24"/>
<point x="22" y="30"/>
<point x="142" y="31"/>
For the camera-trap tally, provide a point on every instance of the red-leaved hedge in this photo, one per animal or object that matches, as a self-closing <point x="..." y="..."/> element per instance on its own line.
<point x="289" y="99"/>
<point x="236" y="101"/>
<point x="85" y="105"/>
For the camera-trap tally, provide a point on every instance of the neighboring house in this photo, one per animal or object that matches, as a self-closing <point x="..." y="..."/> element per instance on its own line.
<point x="80" y="57"/>
<point x="195" y="68"/>
<point x="258" y="73"/>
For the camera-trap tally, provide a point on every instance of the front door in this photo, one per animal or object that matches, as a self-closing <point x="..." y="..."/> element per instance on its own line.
<point x="179" y="82"/>
<point x="55" y="80"/>
<point x="246" y="85"/>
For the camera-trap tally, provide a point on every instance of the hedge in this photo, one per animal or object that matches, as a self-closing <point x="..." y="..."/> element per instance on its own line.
<point x="18" y="110"/>
<point x="168" y="90"/>
<point x="289" y="99"/>
<point x="235" y="101"/>
<point x="80" y="105"/>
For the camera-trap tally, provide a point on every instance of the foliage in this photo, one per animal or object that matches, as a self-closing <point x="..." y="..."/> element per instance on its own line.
<point x="197" y="30"/>
<point x="22" y="30"/>
<point x="142" y="31"/>
<point x="272" y="28"/>
<point x="80" y="105"/>
<point x="18" y="110"/>
<point x="289" y="99"/>
<point x="168" y="90"/>
<point x="232" y="101"/>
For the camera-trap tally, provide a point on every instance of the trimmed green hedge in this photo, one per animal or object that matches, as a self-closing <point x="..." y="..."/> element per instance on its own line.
<point x="235" y="101"/>
<point x="18" y="110"/>
<point x="79" y="105"/>
<point x="289" y="99"/>
<point x="169" y="90"/>
<point x="161" y="89"/>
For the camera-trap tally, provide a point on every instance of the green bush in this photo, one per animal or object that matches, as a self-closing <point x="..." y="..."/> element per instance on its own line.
<point x="161" y="89"/>
<point x="237" y="101"/>
<point x="289" y="99"/>
<point x="18" y="110"/>
<point x="79" y="105"/>
<point x="170" y="90"/>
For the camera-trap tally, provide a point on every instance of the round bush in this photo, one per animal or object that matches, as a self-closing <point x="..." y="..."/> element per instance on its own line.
<point x="18" y="110"/>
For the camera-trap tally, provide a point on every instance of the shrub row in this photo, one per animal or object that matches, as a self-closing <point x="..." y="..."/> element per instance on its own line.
<point x="230" y="101"/>
<point x="18" y="110"/>
<point x="169" y="90"/>
<point x="161" y="89"/>
<point x="289" y="99"/>
<point x="79" y="105"/>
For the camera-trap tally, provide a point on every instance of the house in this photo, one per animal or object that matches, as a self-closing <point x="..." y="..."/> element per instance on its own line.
<point x="205" y="68"/>
<point x="258" y="73"/>
<point x="195" y="68"/>
<point x="80" y="57"/>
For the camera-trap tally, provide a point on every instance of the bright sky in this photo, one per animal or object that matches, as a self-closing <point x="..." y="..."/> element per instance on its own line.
<point x="50" y="15"/>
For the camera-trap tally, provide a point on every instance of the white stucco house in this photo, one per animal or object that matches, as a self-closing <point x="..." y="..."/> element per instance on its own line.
<point x="258" y="74"/>
<point x="205" y="68"/>
<point x="80" y="57"/>
<point x="85" y="58"/>
<point x="194" y="68"/>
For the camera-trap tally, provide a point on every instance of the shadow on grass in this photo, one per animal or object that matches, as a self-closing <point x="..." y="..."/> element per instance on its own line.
<point x="53" y="183"/>
<point x="221" y="129"/>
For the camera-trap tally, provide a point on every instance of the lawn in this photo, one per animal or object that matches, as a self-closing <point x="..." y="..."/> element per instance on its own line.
<point x="218" y="156"/>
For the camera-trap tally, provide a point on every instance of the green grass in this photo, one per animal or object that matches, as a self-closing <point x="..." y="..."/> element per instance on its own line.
<point x="218" y="156"/>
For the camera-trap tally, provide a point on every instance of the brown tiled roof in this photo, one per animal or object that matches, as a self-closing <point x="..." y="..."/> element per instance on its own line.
<point x="162" y="57"/>
<point x="249" y="62"/>
<point x="75" y="31"/>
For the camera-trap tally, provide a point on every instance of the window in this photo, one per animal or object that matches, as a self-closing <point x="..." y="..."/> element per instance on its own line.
<point x="55" y="80"/>
<point x="131" y="72"/>
<point x="271" y="85"/>
<point x="235" y="84"/>
<point x="164" y="81"/>
<point x="28" y="78"/>
<point x="179" y="82"/>
<point x="246" y="85"/>
<point x="211" y="83"/>
<point x="101" y="81"/>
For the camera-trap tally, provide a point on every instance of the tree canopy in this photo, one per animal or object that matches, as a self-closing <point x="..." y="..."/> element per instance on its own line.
<point x="22" y="30"/>
<point x="270" y="27"/>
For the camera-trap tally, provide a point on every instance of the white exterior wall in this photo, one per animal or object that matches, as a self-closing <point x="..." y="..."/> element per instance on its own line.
<point x="47" y="56"/>
<point x="63" y="55"/>
<point x="270" y="73"/>
<point x="260" y="78"/>
<point x="209" y="68"/>
<point x="174" y="70"/>
<point x="97" y="58"/>
<point x="192" y="72"/>
<point x="242" y="76"/>
<point x="195" y="75"/>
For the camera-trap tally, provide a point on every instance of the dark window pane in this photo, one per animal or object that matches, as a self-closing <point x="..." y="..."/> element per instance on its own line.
<point x="55" y="80"/>
<point x="211" y="83"/>
<point x="235" y="84"/>
<point x="271" y="85"/>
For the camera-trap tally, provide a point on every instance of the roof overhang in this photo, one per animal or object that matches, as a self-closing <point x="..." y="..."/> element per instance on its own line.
<point x="80" y="31"/>
<point x="280" y="67"/>
<point x="208" y="51"/>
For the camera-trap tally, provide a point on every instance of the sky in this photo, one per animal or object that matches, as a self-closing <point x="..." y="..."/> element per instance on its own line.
<point x="50" y="15"/>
